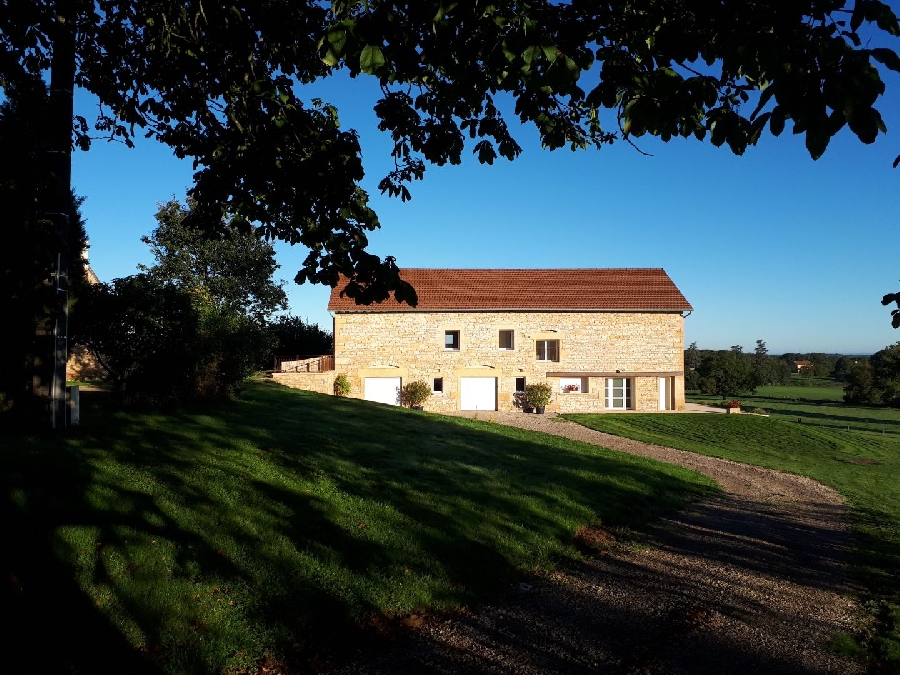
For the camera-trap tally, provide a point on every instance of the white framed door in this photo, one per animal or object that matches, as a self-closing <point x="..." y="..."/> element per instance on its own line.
<point x="665" y="393"/>
<point x="478" y="393"/>
<point x="382" y="390"/>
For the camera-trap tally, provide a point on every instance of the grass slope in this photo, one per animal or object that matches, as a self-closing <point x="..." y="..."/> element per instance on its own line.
<point x="213" y="538"/>
<point x="862" y="464"/>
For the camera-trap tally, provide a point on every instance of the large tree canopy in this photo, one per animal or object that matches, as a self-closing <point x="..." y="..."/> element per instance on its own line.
<point x="218" y="82"/>
<point x="231" y="268"/>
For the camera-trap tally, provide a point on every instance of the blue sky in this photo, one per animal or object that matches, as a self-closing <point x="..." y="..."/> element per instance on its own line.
<point x="768" y="246"/>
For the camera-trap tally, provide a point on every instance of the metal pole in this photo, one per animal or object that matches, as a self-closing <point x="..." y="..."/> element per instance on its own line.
<point x="58" y="404"/>
<point x="62" y="84"/>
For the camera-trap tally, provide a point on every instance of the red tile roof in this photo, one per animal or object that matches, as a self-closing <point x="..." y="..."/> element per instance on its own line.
<point x="528" y="289"/>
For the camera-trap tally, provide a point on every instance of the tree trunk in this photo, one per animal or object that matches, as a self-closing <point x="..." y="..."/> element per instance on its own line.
<point x="49" y="378"/>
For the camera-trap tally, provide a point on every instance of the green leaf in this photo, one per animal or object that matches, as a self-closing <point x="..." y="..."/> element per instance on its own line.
<point x="531" y="53"/>
<point x="886" y="56"/>
<point x="856" y="18"/>
<point x="371" y="59"/>
<point x="763" y="99"/>
<point x="263" y="87"/>
<point x="485" y="151"/>
<point x="550" y="51"/>
<point x="817" y="140"/>
<point x="866" y="124"/>
<point x="776" y="123"/>
<point x="443" y="10"/>
<point x="331" y="46"/>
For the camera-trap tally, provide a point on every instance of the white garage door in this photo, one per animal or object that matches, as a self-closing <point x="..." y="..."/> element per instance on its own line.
<point x="382" y="389"/>
<point x="478" y="393"/>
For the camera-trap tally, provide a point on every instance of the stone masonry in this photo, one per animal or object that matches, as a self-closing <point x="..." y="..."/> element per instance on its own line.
<point x="593" y="346"/>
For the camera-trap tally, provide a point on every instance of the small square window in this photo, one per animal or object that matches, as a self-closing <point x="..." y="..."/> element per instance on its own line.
<point x="520" y="384"/>
<point x="507" y="340"/>
<point x="547" y="350"/>
<point x="451" y="340"/>
<point x="437" y="386"/>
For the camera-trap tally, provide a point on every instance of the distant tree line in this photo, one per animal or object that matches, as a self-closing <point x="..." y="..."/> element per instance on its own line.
<point x="875" y="381"/>
<point x="733" y="372"/>
<point x="196" y="323"/>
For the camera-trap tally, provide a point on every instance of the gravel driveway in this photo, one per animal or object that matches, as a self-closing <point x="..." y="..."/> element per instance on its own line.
<point x="753" y="581"/>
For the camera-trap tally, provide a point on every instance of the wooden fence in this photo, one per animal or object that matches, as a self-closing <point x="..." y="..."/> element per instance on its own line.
<point x="304" y="364"/>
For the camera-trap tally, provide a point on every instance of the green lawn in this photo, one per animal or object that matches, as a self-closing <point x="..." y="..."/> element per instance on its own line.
<point x="212" y="538"/>
<point x="863" y="464"/>
<point x="817" y="406"/>
<point x="832" y="391"/>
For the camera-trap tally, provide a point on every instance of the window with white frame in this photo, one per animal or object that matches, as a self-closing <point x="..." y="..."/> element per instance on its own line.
<point x="520" y="384"/>
<point x="547" y="350"/>
<point x="618" y="393"/>
<point x="437" y="385"/>
<point x="573" y="385"/>
<point x="507" y="340"/>
<point x="451" y="340"/>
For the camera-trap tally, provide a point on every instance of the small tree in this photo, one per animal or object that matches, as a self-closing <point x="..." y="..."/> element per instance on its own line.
<point x="859" y="385"/>
<point x="886" y="367"/>
<point x="538" y="395"/>
<point x="414" y="394"/>
<point x="341" y="385"/>
<point x="727" y="373"/>
<point x="692" y="357"/>
<point x="231" y="267"/>
<point x="193" y="325"/>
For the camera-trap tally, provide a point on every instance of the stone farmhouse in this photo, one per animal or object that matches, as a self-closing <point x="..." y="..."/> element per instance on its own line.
<point x="81" y="363"/>
<point x="604" y="339"/>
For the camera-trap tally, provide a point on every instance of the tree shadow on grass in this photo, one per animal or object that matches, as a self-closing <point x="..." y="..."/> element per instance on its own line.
<point x="620" y="614"/>
<point x="879" y="552"/>
<point x="761" y="538"/>
<point x="218" y="487"/>
<point x="283" y="520"/>
<point x="51" y="625"/>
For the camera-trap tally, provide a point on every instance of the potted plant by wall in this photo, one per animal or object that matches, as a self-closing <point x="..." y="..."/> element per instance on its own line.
<point x="521" y="401"/>
<point x="733" y="407"/>
<point x="538" y="396"/>
<point x="414" y="394"/>
<point x="341" y="385"/>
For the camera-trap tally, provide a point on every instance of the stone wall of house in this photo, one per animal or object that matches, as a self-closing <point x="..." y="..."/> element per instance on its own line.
<point x="323" y="383"/>
<point x="579" y="403"/>
<point x="410" y="345"/>
<point x="646" y="394"/>
<point x="83" y="365"/>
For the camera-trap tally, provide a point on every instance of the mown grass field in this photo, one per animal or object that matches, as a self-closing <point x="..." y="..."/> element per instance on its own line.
<point x="822" y="391"/>
<point x="213" y="538"/>
<point x="856" y="450"/>
<point x="821" y="406"/>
